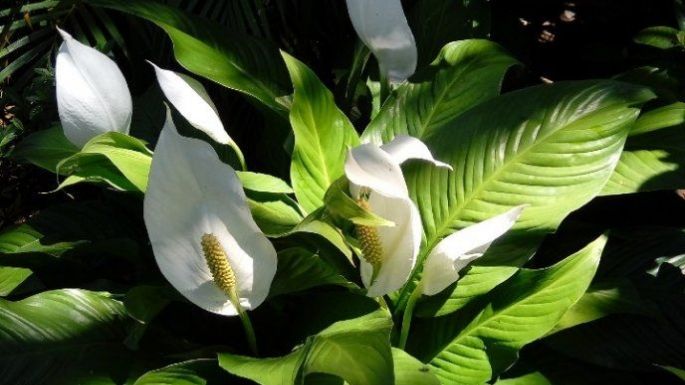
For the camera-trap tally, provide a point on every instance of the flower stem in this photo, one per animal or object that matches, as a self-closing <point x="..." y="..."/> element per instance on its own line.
<point x="408" y="313"/>
<point x="249" y="330"/>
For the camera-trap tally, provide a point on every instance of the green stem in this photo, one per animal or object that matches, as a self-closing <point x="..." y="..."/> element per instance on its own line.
<point x="408" y="313"/>
<point x="249" y="330"/>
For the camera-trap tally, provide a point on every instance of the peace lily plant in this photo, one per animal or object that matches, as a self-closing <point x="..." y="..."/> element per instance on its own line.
<point x="435" y="170"/>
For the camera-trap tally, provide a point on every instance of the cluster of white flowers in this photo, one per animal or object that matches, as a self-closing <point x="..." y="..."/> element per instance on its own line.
<point x="203" y="236"/>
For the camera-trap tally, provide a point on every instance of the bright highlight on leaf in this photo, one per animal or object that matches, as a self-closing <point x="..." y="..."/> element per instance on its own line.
<point x="376" y="181"/>
<point x="92" y="95"/>
<point x="382" y="26"/>
<point x="191" y="193"/>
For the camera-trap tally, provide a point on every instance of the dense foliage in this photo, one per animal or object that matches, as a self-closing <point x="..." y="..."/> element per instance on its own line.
<point x="329" y="192"/>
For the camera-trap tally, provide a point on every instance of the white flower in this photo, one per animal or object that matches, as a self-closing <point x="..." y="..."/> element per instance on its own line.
<point x="377" y="183"/>
<point x="204" y="238"/>
<point x="453" y="253"/>
<point x="382" y="26"/>
<point x="190" y="98"/>
<point x="92" y="95"/>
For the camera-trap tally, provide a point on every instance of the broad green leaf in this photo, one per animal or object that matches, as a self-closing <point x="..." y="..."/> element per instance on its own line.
<point x="11" y="278"/>
<point x="603" y="299"/>
<point x="464" y="74"/>
<point x="316" y="224"/>
<point x="273" y="215"/>
<point x="265" y="371"/>
<point x="85" y="227"/>
<point x="194" y="372"/>
<point x="143" y="303"/>
<point x="45" y="148"/>
<point x="636" y="342"/>
<point x="552" y="147"/>
<point x="127" y="155"/>
<point x="438" y="22"/>
<point x="477" y="281"/>
<point x="654" y="154"/>
<point x="357" y="350"/>
<point x="535" y="378"/>
<point x="323" y="134"/>
<point x="473" y="347"/>
<point x="661" y="37"/>
<point x="680" y="373"/>
<point x="59" y="334"/>
<point x="410" y="371"/>
<point x="263" y="183"/>
<point x="232" y="59"/>
<point x="300" y="269"/>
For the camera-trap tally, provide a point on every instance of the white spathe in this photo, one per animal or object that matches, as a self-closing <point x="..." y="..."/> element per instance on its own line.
<point x="191" y="193"/>
<point x="457" y="250"/>
<point x="190" y="98"/>
<point x="92" y="95"/>
<point x="377" y="171"/>
<point x="382" y="26"/>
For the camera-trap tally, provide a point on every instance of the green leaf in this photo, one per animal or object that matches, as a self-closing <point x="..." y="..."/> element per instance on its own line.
<point x="410" y="371"/>
<point x="11" y="278"/>
<point x="263" y="183"/>
<point x="194" y="372"/>
<point x="654" y="155"/>
<point x="273" y="215"/>
<point x="234" y="60"/>
<point x="601" y="300"/>
<point x="473" y="347"/>
<point x="465" y="73"/>
<point x="45" y="148"/>
<point x="97" y="227"/>
<point x="438" y="22"/>
<point x="300" y="269"/>
<point x="323" y="134"/>
<point x="552" y="147"/>
<point x="357" y="350"/>
<point x="128" y="157"/>
<point x="661" y="37"/>
<point x="56" y="334"/>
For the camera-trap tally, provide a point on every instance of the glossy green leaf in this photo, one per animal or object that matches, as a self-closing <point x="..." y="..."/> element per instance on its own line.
<point x="410" y="371"/>
<point x="472" y="348"/>
<point x="661" y="37"/>
<point x="45" y="148"/>
<point x="130" y="162"/>
<point x="232" y="59"/>
<point x="195" y="372"/>
<point x="465" y="73"/>
<point x="601" y="300"/>
<point x="75" y="228"/>
<point x="300" y="269"/>
<point x="335" y="350"/>
<point x="654" y="155"/>
<point x="552" y="147"/>
<point x="57" y="334"/>
<point x="273" y="215"/>
<point x="11" y="278"/>
<point x="323" y="134"/>
<point x="263" y="183"/>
